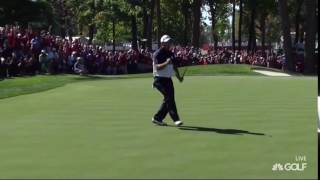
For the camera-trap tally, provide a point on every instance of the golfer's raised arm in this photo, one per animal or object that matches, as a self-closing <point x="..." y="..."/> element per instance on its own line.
<point x="162" y="65"/>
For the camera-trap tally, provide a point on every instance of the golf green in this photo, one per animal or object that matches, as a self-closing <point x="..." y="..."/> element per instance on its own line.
<point x="235" y="127"/>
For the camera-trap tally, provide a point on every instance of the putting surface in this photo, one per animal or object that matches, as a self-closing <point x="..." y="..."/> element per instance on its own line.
<point x="236" y="127"/>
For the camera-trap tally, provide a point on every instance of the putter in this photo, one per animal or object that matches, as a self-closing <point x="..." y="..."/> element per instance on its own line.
<point x="184" y="72"/>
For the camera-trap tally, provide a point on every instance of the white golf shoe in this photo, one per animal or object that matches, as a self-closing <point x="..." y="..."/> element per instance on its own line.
<point x="178" y="123"/>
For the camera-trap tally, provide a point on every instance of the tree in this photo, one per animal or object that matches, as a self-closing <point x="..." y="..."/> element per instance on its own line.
<point x="132" y="14"/>
<point x="298" y="20"/>
<point x="172" y="21"/>
<point x="25" y="12"/>
<point x="92" y="9"/>
<point x="76" y="10"/>
<point x="158" y="21"/>
<point x="150" y="24"/>
<point x="252" y="31"/>
<point x="213" y="12"/>
<point x="134" y="43"/>
<point x="285" y="25"/>
<point x="267" y="8"/>
<point x="114" y="22"/>
<point x="311" y="30"/>
<point x="147" y="19"/>
<point x="80" y="15"/>
<point x="219" y="13"/>
<point x="196" y="22"/>
<point x="233" y="25"/>
<point x="240" y="25"/>
<point x="186" y="9"/>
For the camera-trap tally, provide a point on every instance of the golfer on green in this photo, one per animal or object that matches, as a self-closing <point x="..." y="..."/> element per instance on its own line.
<point x="163" y="70"/>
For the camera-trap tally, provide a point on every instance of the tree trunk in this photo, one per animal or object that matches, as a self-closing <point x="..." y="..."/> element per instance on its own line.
<point x="263" y="30"/>
<point x="311" y="30"/>
<point x="158" y="22"/>
<point x="186" y="30"/>
<point x="91" y="33"/>
<point x="285" y="25"/>
<point x="113" y="35"/>
<point x="254" y="41"/>
<point x="145" y="23"/>
<point x="233" y="25"/>
<point x="213" y="22"/>
<point x="185" y="11"/>
<point x="270" y="45"/>
<point x="92" y="26"/>
<point x="252" y="31"/>
<point x="216" y="40"/>
<point x="61" y="9"/>
<point x="63" y="31"/>
<point x="196" y="23"/>
<point x="134" y="44"/>
<point x="240" y="25"/>
<point x="297" y="21"/>
<point x="150" y="25"/>
<point x="302" y="33"/>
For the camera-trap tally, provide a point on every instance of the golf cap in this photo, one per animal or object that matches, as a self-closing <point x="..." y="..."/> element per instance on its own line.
<point x="165" y="38"/>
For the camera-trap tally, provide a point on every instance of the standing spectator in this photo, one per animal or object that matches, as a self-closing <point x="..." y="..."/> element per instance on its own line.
<point x="35" y="45"/>
<point x="43" y="60"/>
<point x="3" y="73"/>
<point x="123" y="63"/>
<point x="71" y="61"/>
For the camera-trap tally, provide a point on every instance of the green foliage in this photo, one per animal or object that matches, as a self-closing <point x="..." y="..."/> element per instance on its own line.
<point x="75" y="17"/>
<point x="267" y="8"/>
<point x="172" y="20"/>
<point x="24" y="12"/>
<point x="114" y="11"/>
<point x="222" y="10"/>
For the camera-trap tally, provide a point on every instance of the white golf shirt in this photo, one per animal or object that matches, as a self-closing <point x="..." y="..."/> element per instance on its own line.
<point x="159" y="57"/>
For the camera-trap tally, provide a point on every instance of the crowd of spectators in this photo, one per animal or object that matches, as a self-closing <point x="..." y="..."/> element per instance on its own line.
<point x="227" y="56"/>
<point x="26" y="52"/>
<point x="30" y="52"/>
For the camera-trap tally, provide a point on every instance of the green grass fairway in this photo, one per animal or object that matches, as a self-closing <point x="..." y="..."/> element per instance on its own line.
<point x="239" y="126"/>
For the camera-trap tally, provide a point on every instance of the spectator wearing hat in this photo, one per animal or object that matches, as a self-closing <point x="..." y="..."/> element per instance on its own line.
<point x="3" y="70"/>
<point x="43" y="60"/>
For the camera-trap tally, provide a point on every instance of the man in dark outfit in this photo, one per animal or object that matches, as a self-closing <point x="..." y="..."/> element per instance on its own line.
<point x="163" y="69"/>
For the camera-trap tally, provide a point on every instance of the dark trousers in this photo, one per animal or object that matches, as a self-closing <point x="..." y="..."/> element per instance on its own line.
<point x="165" y="86"/>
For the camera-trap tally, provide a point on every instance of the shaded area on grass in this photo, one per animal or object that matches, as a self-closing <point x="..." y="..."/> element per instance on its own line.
<point x="216" y="130"/>
<point x="33" y="84"/>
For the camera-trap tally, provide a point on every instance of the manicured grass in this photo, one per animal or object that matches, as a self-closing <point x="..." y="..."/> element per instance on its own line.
<point x="26" y="85"/>
<point x="239" y="126"/>
<point x="220" y="69"/>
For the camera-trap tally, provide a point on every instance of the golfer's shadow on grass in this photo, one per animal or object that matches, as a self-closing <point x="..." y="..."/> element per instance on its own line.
<point x="220" y="131"/>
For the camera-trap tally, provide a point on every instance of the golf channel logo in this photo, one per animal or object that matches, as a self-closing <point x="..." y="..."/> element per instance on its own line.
<point x="300" y="164"/>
